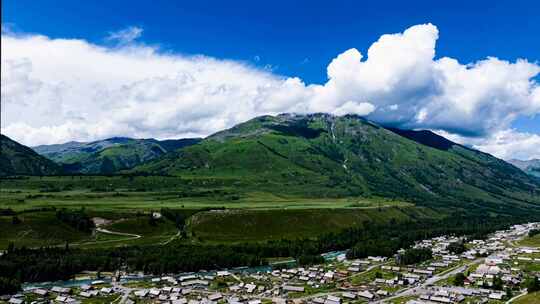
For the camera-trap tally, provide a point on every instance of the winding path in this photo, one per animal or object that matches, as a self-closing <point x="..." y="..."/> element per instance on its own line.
<point x="131" y="236"/>
<point x="177" y="235"/>
<point x="516" y="297"/>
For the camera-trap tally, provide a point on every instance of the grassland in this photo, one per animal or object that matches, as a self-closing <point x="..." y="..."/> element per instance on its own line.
<point x="531" y="241"/>
<point x="251" y="225"/>
<point x="42" y="228"/>
<point x="369" y="276"/>
<point x="531" y="298"/>
<point x="133" y="200"/>
<point x="101" y="300"/>
<point x="37" y="229"/>
<point x="126" y="202"/>
<point x="155" y="192"/>
<point x="403" y="300"/>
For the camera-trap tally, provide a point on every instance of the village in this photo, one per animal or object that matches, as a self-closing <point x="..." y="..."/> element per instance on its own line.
<point x="492" y="270"/>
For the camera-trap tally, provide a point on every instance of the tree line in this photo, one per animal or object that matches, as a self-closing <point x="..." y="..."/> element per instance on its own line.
<point x="414" y="256"/>
<point x="534" y="232"/>
<point x="456" y="247"/>
<point x="77" y="219"/>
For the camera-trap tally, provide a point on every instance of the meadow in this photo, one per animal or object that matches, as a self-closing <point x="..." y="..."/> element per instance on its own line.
<point x="242" y="225"/>
<point x="216" y="211"/>
<point x="119" y="193"/>
<point x="533" y="241"/>
<point x="532" y="298"/>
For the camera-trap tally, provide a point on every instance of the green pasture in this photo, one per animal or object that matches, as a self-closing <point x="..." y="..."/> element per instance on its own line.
<point x="214" y="211"/>
<point x="531" y="241"/>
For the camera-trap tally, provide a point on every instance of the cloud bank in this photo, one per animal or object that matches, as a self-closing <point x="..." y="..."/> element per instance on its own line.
<point x="56" y="90"/>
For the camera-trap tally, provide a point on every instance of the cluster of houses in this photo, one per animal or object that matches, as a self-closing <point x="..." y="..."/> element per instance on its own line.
<point x="502" y="260"/>
<point x="338" y="281"/>
<point x="58" y="294"/>
<point x="456" y="295"/>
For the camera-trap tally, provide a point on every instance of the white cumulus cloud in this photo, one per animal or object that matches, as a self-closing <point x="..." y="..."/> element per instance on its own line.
<point x="55" y="90"/>
<point x="352" y="107"/>
<point x="510" y="143"/>
<point x="505" y="144"/>
<point x="412" y="89"/>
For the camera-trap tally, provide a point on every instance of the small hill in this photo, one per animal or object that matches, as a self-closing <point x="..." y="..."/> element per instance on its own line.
<point x="109" y="155"/>
<point x="531" y="167"/>
<point x="322" y="155"/>
<point x="17" y="159"/>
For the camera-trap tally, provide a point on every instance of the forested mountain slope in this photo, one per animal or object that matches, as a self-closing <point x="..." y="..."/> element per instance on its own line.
<point x="16" y="159"/>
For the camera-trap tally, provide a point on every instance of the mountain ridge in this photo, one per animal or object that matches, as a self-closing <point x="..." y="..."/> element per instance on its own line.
<point x="531" y="166"/>
<point x="109" y="155"/>
<point x="319" y="155"/>
<point x="350" y="156"/>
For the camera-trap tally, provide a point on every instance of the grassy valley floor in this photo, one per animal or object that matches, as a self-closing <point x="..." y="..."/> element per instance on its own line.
<point x="255" y="225"/>
<point x="215" y="212"/>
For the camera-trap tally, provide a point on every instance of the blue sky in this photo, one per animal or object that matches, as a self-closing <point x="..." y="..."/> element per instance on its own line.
<point x="284" y="33"/>
<point x="292" y="38"/>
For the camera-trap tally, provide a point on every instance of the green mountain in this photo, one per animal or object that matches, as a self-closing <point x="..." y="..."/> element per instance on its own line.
<point x="16" y="159"/>
<point x="531" y="167"/>
<point x="321" y="155"/>
<point x="109" y="155"/>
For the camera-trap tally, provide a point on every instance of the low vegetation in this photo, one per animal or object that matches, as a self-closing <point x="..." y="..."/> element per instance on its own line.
<point x="530" y="298"/>
<point x="531" y="241"/>
<point x="256" y="225"/>
<point x="37" y="228"/>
